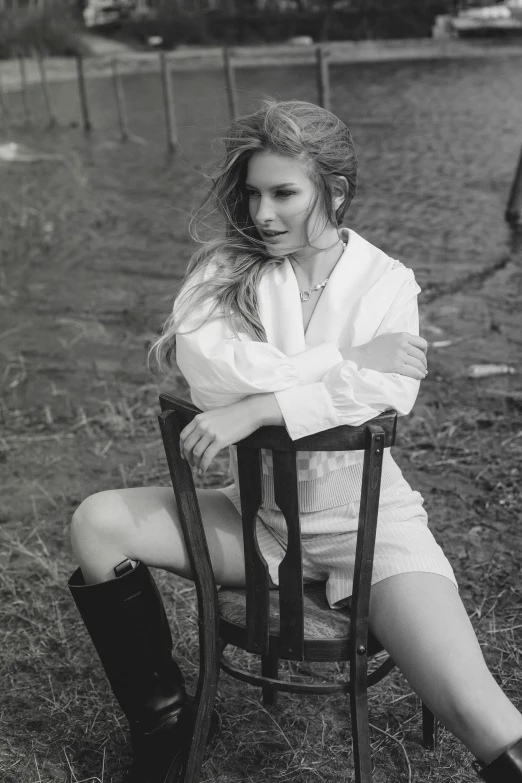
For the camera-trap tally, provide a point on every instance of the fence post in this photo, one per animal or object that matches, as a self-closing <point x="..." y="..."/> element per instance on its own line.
<point x="230" y="79"/>
<point x="515" y="196"/>
<point x="45" y="89"/>
<point x="120" y="101"/>
<point x="323" y="77"/>
<point x="170" y="117"/>
<point x="23" y="86"/>
<point x="83" y="94"/>
<point x="3" y="103"/>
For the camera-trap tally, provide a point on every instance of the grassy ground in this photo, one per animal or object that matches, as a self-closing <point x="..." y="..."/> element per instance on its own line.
<point x="93" y="246"/>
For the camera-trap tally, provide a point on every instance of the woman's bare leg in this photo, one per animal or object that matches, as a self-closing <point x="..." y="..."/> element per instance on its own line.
<point x="420" y="620"/>
<point x="142" y="523"/>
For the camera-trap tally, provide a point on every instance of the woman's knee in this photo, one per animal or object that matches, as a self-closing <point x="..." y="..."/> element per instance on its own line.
<point x="100" y="517"/>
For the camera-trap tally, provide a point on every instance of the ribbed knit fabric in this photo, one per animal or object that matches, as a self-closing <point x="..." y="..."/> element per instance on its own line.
<point x="403" y="543"/>
<point x="326" y="479"/>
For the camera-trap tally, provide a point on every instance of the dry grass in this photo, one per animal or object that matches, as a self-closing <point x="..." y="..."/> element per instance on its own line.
<point x="86" y="277"/>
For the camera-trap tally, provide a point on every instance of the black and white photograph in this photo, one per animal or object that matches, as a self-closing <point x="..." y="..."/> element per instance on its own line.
<point x="260" y="391"/>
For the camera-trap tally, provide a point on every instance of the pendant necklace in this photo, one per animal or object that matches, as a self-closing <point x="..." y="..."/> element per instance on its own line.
<point x="305" y="295"/>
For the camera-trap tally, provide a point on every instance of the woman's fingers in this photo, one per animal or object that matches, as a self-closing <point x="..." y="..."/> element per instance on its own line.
<point x="184" y="434"/>
<point x="212" y="451"/>
<point x="414" y="362"/>
<point x="412" y="368"/>
<point x="189" y="437"/>
<point x="194" y="446"/>
<point x="204" y="452"/>
<point x="412" y="372"/>
<point x="418" y="354"/>
<point x="418" y="342"/>
<point x="199" y="450"/>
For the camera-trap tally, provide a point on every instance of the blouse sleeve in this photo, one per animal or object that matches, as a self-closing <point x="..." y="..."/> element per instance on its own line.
<point x="351" y="395"/>
<point x="222" y="367"/>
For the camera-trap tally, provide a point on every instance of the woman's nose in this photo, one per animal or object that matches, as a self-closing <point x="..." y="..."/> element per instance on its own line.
<point x="265" y="210"/>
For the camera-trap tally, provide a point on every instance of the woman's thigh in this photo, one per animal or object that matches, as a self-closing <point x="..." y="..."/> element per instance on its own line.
<point x="142" y="523"/>
<point x="420" y="620"/>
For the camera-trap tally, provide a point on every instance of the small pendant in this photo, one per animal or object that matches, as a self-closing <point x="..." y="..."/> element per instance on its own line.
<point x="305" y="295"/>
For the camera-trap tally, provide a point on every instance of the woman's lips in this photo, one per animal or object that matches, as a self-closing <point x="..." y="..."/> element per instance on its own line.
<point x="270" y="237"/>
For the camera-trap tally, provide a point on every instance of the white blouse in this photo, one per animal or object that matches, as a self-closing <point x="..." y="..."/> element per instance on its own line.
<point x="368" y="294"/>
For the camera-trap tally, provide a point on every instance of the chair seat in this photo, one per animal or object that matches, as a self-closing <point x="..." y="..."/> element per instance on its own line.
<point x="321" y="624"/>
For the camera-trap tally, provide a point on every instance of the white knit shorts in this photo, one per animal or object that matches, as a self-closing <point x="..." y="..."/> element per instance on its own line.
<point x="403" y="541"/>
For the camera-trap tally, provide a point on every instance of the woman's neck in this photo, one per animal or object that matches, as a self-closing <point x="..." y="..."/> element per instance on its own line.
<point x="313" y="265"/>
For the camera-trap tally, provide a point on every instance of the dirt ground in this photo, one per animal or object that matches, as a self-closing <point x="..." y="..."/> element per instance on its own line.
<point x="93" y="245"/>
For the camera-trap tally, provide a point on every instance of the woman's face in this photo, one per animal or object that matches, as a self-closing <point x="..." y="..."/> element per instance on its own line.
<point x="280" y="197"/>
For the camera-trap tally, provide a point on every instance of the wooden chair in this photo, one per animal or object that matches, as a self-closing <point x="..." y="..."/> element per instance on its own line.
<point x="294" y="622"/>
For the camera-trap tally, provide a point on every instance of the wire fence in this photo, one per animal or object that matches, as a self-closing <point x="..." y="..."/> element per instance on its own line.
<point x="319" y="56"/>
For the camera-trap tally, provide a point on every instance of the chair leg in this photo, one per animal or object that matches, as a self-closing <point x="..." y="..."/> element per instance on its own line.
<point x="362" y="753"/>
<point x="429" y="728"/>
<point x="206" y="696"/>
<point x="270" y="668"/>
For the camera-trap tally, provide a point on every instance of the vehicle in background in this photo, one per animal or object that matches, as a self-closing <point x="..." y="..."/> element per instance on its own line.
<point x="98" y="13"/>
<point x="491" y="20"/>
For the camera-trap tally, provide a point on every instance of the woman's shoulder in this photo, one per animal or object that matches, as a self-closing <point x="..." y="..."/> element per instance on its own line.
<point x="194" y="302"/>
<point x="378" y="262"/>
<point x="209" y="269"/>
<point x="384" y="281"/>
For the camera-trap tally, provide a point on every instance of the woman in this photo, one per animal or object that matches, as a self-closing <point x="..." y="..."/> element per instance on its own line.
<point x="286" y="318"/>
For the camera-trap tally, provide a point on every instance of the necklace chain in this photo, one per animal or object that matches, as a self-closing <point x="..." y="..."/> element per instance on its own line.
<point x="305" y="295"/>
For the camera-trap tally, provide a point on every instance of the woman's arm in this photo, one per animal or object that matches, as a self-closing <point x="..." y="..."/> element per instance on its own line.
<point x="346" y="394"/>
<point x="221" y="368"/>
<point x="397" y="352"/>
<point x="210" y="432"/>
<point x="349" y="394"/>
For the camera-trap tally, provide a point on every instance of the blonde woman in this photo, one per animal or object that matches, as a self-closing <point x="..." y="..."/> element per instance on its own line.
<point x="287" y="318"/>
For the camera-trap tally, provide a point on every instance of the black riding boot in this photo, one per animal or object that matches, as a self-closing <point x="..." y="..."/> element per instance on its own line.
<point x="506" y="768"/>
<point x="126" y="621"/>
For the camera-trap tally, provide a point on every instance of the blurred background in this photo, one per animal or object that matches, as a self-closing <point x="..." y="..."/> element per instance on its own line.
<point x="109" y="115"/>
<point x="178" y="22"/>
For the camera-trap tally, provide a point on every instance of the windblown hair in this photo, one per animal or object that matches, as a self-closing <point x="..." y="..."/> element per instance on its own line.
<point x="236" y="258"/>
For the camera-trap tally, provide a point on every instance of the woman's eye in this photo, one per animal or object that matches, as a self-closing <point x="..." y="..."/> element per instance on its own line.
<point x="279" y="193"/>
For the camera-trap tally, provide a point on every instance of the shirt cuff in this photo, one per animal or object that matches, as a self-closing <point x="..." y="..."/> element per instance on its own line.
<point x="314" y="363"/>
<point x="307" y="410"/>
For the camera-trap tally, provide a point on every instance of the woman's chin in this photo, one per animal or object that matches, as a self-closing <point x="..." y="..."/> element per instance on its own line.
<point x="276" y="250"/>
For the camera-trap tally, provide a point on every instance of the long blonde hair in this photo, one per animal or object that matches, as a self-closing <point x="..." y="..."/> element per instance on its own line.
<point x="239" y="258"/>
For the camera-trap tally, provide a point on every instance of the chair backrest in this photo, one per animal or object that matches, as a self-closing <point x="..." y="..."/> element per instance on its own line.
<point x="372" y="437"/>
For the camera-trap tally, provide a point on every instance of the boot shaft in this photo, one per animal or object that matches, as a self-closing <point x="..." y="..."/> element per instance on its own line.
<point x="127" y="623"/>
<point x="507" y="768"/>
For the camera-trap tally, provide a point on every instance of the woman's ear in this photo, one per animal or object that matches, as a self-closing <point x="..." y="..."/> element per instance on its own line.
<point x="340" y="190"/>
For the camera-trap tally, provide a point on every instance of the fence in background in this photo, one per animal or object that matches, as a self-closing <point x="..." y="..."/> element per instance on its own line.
<point x="320" y="55"/>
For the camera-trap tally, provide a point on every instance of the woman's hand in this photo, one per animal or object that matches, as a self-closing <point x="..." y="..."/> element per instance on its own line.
<point x="210" y="432"/>
<point x="398" y="352"/>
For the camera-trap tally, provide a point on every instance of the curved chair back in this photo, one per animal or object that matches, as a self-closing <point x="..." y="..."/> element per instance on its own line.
<point x="372" y="437"/>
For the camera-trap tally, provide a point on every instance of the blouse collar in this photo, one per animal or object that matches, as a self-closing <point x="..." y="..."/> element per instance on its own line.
<point x="280" y="308"/>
